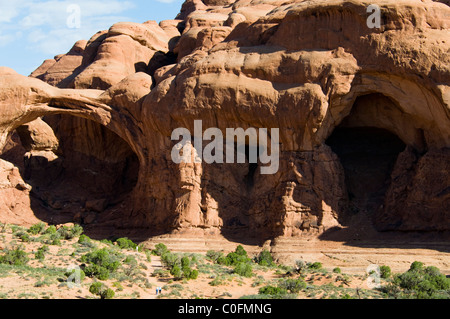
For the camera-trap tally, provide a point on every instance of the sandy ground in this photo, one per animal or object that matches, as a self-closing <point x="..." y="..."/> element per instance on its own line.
<point x="353" y="260"/>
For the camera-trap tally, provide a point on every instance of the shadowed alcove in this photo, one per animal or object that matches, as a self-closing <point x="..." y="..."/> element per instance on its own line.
<point x="76" y="167"/>
<point x="368" y="146"/>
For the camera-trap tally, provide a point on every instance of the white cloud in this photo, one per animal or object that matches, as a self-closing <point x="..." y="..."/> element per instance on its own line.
<point x="9" y="9"/>
<point x="34" y="30"/>
<point x="47" y="25"/>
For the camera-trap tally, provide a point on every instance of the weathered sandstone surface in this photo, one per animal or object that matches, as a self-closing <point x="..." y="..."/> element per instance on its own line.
<point x="363" y="114"/>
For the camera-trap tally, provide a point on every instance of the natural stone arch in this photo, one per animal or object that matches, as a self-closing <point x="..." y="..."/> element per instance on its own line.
<point x="412" y="131"/>
<point x="72" y="176"/>
<point x="418" y="109"/>
<point x="24" y="100"/>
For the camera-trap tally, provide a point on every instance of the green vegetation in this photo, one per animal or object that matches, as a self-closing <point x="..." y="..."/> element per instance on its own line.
<point x="385" y="272"/>
<point x="212" y="255"/>
<point x="76" y="272"/>
<point x="239" y="260"/>
<point x="285" y="289"/>
<point x="235" y="258"/>
<point x="125" y="243"/>
<point x="314" y="266"/>
<point x="160" y="249"/>
<point x="418" y="282"/>
<point x="70" y="232"/>
<point x="16" y="257"/>
<point x="119" y="262"/>
<point x="178" y="266"/>
<point x="40" y="254"/>
<point x="99" y="289"/>
<point x="292" y="285"/>
<point x="300" y="266"/>
<point x="264" y="259"/>
<point x="85" y="241"/>
<point x="337" y="270"/>
<point x="243" y="269"/>
<point x="102" y="262"/>
<point x="37" y="229"/>
<point x="271" y="290"/>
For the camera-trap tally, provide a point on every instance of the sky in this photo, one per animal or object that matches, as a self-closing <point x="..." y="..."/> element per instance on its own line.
<point x="32" y="31"/>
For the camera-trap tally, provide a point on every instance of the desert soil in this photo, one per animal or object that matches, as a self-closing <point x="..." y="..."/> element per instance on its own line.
<point x="44" y="279"/>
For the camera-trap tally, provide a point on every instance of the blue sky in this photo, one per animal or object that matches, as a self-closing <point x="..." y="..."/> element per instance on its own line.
<point x="32" y="31"/>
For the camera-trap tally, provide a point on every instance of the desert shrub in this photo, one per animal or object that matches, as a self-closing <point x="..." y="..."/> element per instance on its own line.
<point x="186" y="272"/>
<point x="102" y="257"/>
<point x="79" y="272"/>
<point x="40" y="253"/>
<point x="161" y="273"/>
<point x="107" y="242"/>
<point x="118" y="286"/>
<point x="24" y="237"/>
<point x="337" y="270"/>
<point x="264" y="258"/>
<point x="85" y="241"/>
<point x="272" y="290"/>
<point x="178" y="267"/>
<point x="262" y="296"/>
<point x="148" y="255"/>
<point x="51" y="238"/>
<point x="67" y="232"/>
<point x="185" y="262"/>
<point x="50" y="230"/>
<point x="418" y="282"/>
<point x="194" y="274"/>
<point x="55" y="242"/>
<point x="240" y="251"/>
<point x="385" y="272"/>
<point x="243" y="269"/>
<point x="234" y="258"/>
<point x="99" y="289"/>
<point x="16" y="257"/>
<point x="37" y="229"/>
<point x="102" y="263"/>
<point x="169" y="259"/>
<point x="217" y="281"/>
<point x="97" y="271"/>
<point x="130" y="260"/>
<point x="160" y="249"/>
<point x="213" y="256"/>
<point x="300" y="266"/>
<point x="223" y="260"/>
<point x="189" y="273"/>
<point x="125" y="243"/>
<point x="416" y="266"/>
<point x="315" y="266"/>
<point x="292" y="285"/>
<point x="176" y="272"/>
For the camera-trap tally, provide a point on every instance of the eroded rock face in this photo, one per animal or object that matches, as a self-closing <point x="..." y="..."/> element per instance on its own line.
<point x="342" y="95"/>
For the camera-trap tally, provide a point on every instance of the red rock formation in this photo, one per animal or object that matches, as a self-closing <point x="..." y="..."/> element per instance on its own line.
<point x="363" y="115"/>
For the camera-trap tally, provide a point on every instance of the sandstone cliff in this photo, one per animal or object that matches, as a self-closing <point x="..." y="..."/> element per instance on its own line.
<point x="363" y="113"/>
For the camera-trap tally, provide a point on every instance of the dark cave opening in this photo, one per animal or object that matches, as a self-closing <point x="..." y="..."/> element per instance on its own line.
<point x="368" y="156"/>
<point x="252" y="166"/>
<point x="91" y="169"/>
